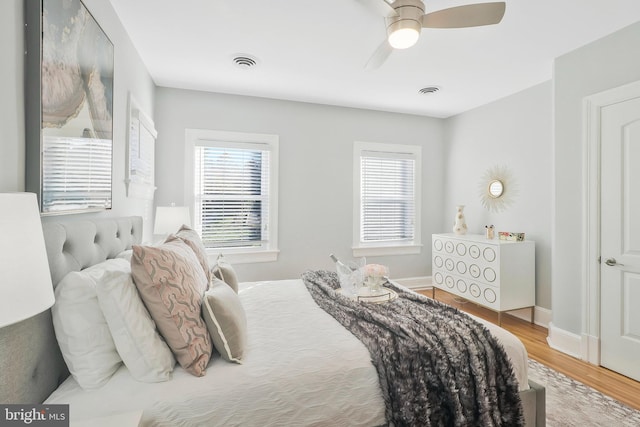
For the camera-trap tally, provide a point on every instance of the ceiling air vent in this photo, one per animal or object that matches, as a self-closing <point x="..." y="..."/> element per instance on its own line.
<point x="245" y="61"/>
<point x="429" y="89"/>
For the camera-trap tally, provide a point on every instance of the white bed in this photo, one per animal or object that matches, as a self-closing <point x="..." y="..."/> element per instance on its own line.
<point x="301" y="368"/>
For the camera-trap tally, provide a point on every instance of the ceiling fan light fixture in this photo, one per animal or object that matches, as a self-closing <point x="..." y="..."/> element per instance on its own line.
<point x="404" y="33"/>
<point x="403" y="38"/>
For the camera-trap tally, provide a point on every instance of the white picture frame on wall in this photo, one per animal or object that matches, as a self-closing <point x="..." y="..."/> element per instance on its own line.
<point x="141" y="140"/>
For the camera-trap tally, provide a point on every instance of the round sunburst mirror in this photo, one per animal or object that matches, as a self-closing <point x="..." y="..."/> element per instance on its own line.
<point x="497" y="189"/>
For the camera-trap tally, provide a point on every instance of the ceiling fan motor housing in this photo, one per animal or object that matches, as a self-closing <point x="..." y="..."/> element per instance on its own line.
<point x="409" y="16"/>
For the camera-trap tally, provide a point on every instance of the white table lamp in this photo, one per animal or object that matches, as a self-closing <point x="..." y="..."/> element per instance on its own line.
<point x="170" y="218"/>
<point x="25" y="280"/>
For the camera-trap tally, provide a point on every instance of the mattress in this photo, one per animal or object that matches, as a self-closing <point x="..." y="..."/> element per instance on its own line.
<point x="301" y="367"/>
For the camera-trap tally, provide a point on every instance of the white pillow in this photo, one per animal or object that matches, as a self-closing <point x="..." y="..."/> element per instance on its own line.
<point x="143" y="351"/>
<point x="125" y="255"/>
<point x="81" y="329"/>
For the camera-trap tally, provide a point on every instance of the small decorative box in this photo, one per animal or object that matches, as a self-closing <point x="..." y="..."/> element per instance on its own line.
<point x="511" y="237"/>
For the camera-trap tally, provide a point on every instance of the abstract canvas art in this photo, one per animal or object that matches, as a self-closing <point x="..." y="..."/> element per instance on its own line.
<point x="76" y="108"/>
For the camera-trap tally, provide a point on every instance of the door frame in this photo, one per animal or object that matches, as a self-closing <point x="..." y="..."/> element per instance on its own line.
<point x="592" y="170"/>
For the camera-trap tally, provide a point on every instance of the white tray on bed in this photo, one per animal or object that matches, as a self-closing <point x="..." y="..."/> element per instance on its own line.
<point x="379" y="297"/>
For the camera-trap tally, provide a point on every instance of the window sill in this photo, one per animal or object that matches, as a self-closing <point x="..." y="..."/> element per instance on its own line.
<point x="244" y="257"/>
<point x="387" y="250"/>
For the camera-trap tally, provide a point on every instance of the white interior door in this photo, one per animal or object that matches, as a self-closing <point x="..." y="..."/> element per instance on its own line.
<point x="620" y="237"/>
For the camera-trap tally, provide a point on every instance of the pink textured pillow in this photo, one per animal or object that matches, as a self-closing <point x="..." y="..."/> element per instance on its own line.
<point x="172" y="284"/>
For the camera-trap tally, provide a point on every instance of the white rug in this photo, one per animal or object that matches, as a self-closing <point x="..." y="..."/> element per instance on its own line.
<point x="571" y="403"/>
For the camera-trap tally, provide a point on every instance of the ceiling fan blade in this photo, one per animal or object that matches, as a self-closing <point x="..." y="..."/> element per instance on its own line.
<point x="471" y="15"/>
<point x="379" y="56"/>
<point x="380" y="7"/>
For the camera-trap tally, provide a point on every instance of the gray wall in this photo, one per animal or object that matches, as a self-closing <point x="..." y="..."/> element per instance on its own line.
<point x="604" y="64"/>
<point x="130" y="75"/>
<point x="316" y="177"/>
<point x="11" y="96"/>
<point x="515" y="131"/>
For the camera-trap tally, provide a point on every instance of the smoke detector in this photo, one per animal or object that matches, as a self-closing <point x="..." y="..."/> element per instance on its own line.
<point x="245" y="61"/>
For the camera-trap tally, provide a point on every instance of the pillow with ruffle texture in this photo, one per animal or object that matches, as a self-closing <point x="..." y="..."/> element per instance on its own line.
<point x="171" y="283"/>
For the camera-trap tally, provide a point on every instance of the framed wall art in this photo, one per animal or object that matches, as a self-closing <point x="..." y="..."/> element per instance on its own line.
<point x="69" y="107"/>
<point x="141" y="141"/>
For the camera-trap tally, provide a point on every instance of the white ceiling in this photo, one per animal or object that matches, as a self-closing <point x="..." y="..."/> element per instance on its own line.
<point x="315" y="51"/>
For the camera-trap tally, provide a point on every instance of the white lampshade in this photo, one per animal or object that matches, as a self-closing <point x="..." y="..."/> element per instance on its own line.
<point x="25" y="280"/>
<point x="170" y="218"/>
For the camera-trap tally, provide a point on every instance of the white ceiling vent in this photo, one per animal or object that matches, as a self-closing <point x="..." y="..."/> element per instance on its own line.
<point x="245" y="61"/>
<point x="429" y="90"/>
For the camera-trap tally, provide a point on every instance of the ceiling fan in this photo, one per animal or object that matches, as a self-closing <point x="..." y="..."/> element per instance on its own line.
<point x="405" y="19"/>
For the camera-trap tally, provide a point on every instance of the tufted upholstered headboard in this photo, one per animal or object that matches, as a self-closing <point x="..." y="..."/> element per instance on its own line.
<point x="31" y="365"/>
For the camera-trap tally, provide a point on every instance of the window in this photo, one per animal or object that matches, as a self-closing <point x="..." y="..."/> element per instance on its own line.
<point x="234" y="177"/>
<point x="387" y="202"/>
<point x="76" y="174"/>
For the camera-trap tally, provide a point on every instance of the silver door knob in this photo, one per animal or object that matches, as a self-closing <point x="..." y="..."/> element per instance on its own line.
<point x="612" y="262"/>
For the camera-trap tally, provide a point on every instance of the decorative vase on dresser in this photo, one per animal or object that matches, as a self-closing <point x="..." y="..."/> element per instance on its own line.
<point x="460" y="224"/>
<point x="496" y="274"/>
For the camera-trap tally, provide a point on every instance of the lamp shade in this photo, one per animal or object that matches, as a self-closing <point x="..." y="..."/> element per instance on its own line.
<point x="170" y="218"/>
<point x="25" y="280"/>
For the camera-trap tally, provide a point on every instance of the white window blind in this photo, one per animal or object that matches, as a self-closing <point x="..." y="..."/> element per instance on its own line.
<point x="232" y="190"/>
<point x="387" y="197"/>
<point x="76" y="173"/>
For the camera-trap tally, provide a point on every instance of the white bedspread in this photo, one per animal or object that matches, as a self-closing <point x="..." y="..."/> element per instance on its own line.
<point x="301" y="368"/>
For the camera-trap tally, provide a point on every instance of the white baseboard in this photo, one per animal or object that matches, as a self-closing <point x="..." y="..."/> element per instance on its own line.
<point x="565" y="341"/>
<point x="542" y="315"/>
<point x="590" y="349"/>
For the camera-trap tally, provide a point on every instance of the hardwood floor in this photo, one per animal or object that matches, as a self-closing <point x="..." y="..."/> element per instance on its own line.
<point x="534" y="338"/>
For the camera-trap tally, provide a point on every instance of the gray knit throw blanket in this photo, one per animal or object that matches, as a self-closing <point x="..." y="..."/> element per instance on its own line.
<point x="436" y="365"/>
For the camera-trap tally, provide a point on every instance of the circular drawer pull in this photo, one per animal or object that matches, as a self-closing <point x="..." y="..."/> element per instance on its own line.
<point x="490" y="295"/>
<point x="449" y="282"/>
<point x="449" y="264"/>
<point x="474" y="251"/>
<point x="437" y="244"/>
<point x="489" y="274"/>
<point x="438" y="278"/>
<point x="489" y="254"/>
<point x="474" y="290"/>
<point x="474" y="270"/>
<point x="461" y="267"/>
<point x="461" y="285"/>
<point x="448" y="246"/>
<point x="461" y="249"/>
<point x="438" y="261"/>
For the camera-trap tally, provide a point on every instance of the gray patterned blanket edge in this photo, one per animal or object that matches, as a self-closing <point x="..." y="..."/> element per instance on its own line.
<point x="436" y="365"/>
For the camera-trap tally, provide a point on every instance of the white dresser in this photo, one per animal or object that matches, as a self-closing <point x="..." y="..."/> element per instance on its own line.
<point x="496" y="274"/>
